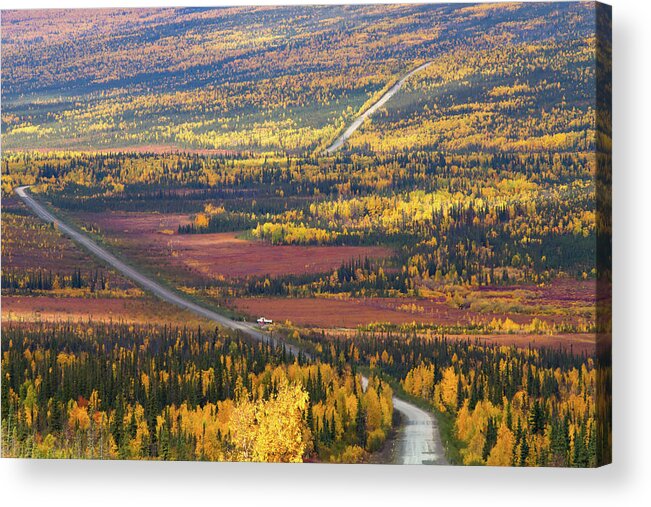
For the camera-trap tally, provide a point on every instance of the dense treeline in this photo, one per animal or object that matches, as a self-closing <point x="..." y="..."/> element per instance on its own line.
<point x="510" y="407"/>
<point x="355" y="277"/>
<point x="133" y="392"/>
<point x="474" y="219"/>
<point x="221" y="221"/>
<point x="92" y="176"/>
<point x="46" y="280"/>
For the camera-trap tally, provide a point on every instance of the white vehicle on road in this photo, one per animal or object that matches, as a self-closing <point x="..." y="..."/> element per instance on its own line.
<point x="264" y="321"/>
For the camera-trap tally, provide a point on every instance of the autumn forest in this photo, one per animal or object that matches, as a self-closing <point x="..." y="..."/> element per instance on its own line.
<point x="415" y="200"/>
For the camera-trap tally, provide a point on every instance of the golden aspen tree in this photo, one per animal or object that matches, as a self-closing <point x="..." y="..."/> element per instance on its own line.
<point x="502" y="452"/>
<point x="449" y="384"/>
<point x="282" y="435"/>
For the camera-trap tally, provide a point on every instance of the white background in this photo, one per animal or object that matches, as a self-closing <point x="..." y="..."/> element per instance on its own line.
<point x="626" y="482"/>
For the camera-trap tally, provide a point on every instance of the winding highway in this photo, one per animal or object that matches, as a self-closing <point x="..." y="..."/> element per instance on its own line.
<point x="340" y="141"/>
<point x="419" y="441"/>
<point x="142" y="280"/>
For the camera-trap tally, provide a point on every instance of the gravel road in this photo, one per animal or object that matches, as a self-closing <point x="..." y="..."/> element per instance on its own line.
<point x="339" y="142"/>
<point x="418" y="440"/>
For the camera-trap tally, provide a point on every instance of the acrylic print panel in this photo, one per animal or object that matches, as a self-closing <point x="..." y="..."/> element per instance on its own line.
<point x="342" y="234"/>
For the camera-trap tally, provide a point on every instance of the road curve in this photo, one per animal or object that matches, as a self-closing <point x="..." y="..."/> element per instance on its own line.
<point x="145" y="282"/>
<point x="339" y="142"/>
<point x="419" y="439"/>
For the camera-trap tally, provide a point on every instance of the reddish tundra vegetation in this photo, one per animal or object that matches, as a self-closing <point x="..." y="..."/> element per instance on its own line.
<point x="509" y="320"/>
<point x="539" y="303"/>
<point x="524" y="314"/>
<point x="154" y="236"/>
